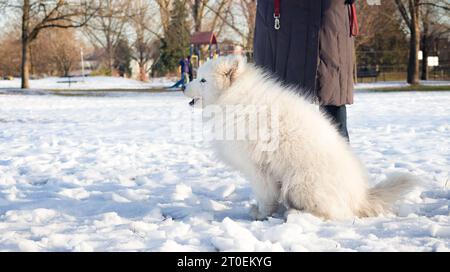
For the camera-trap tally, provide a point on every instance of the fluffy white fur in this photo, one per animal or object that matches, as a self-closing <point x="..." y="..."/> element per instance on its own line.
<point x="313" y="169"/>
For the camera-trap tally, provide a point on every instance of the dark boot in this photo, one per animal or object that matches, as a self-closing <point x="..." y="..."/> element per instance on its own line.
<point x="338" y="115"/>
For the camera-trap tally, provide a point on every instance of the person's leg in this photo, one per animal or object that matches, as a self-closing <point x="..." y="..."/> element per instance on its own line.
<point x="177" y="84"/>
<point x="184" y="80"/>
<point x="338" y="115"/>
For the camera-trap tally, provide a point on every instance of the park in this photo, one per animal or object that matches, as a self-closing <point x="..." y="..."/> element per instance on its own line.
<point x="93" y="155"/>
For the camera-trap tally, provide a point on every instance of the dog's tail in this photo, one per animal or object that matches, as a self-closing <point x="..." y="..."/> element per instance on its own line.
<point x="381" y="198"/>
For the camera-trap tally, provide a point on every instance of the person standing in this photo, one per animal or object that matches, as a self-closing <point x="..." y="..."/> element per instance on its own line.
<point x="190" y="69"/>
<point x="184" y="73"/>
<point x="309" y="44"/>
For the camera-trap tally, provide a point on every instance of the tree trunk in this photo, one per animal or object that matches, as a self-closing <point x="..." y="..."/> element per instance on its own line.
<point x="110" y="51"/>
<point x="425" y="44"/>
<point x="25" y="64"/>
<point x="66" y="69"/>
<point x="251" y="9"/>
<point x="142" y="72"/>
<point x="413" y="62"/>
<point x="197" y="16"/>
<point x="25" y="69"/>
<point x="425" y="54"/>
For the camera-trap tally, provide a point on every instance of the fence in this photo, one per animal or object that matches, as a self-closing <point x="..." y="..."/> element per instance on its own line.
<point x="382" y="72"/>
<point x="399" y="72"/>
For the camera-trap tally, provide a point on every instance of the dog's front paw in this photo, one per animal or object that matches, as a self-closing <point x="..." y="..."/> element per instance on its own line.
<point x="257" y="214"/>
<point x="291" y="211"/>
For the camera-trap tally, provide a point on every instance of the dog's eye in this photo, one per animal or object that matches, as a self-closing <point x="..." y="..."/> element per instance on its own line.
<point x="203" y="80"/>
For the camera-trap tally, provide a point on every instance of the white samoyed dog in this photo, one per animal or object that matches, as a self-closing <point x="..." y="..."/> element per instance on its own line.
<point x="310" y="168"/>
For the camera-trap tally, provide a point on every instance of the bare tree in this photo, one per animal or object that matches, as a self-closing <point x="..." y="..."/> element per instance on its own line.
<point x="236" y="15"/>
<point x="218" y="16"/>
<point x="378" y="22"/>
<point x="221" y="7"/>
<point x="227" y="18"/>
<point x="249" y="10"/>
<point x="198" y="11"/>
<point x="146" y="44"/>
<point x="107" y="27"/>
<point x="64" y="49"/>
<point x="164" y="12"/>
<point x="38" y="15"/>
<point x="367" y="30"/>
<point x="410" y="12"/>
<point x="9" y="55"/>
<point x="369" y="22"/>
<point x="434" y="26"/>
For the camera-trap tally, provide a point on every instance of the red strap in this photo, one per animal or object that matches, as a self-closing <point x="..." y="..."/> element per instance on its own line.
<point x="277" y="8"/>
<point x="276" y="14"/>
<point x="354" y="28"/>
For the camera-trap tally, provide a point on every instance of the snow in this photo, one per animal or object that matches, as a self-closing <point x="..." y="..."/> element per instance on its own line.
<point x="107" y="173"/>
<point x="89" y="83"/>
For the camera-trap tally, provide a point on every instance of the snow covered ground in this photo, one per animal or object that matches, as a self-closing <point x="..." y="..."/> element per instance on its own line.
<point x="89" y="83"/>
<point x="106" y="173"/>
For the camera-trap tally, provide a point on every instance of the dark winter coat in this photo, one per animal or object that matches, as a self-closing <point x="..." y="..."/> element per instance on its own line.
<point x="313" y="48"/>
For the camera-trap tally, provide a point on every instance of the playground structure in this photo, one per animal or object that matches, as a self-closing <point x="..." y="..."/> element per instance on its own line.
<point x="204" y="46"/>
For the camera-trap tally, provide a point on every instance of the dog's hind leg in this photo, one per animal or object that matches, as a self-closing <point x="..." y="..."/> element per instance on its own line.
<point x="299" y="193"/>
<point x="267" y="193"/>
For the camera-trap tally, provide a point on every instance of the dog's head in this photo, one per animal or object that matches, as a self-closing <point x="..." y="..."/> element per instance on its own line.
<point x="214" y="78"/>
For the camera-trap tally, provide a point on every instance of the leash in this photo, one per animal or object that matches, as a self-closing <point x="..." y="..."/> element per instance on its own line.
<point x="354" y="28"/>
<point x="277" y="14"/>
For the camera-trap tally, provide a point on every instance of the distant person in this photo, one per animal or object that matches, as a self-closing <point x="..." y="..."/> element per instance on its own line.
<point x="309" y="43"/>
<point x="190" y="69"/>
<point x="184" y="73"/>
<point x="122" y="70"/>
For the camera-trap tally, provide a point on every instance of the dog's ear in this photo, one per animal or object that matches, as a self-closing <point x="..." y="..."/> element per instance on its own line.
<point x="228" y="69"/>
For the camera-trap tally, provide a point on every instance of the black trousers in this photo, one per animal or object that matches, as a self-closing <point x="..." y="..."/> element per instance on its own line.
<point x="338" y="115"/>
